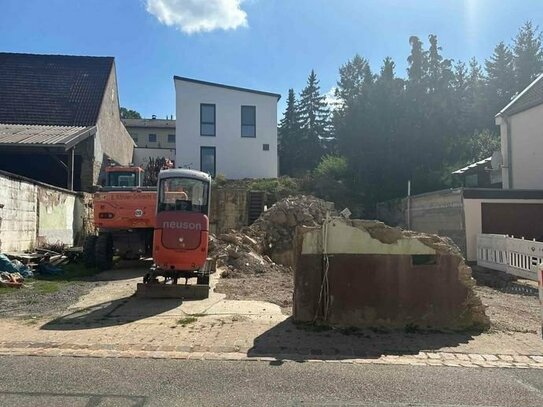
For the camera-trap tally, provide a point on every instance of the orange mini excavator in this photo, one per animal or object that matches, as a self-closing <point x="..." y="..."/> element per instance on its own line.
<point x="180" y="239"/>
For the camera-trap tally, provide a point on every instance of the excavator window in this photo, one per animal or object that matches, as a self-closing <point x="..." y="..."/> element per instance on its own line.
<point x="123" y="179"/>
<point x="183" y="194"/>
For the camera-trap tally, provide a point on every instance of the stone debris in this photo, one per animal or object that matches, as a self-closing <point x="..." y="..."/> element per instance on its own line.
<point x="275" y="229"/>
<point x="251" y="250"/>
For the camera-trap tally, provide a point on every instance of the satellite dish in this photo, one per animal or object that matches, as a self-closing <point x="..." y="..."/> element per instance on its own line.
<point x="496" y="160"/>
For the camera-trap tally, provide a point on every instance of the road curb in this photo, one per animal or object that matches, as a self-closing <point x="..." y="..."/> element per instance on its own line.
<point x="458" y="360"/>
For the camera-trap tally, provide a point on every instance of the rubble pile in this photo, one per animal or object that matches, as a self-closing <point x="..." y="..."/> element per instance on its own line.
<point x="248" y="252"/>
<point x="275" y="228"/>
<point x="240" y="255"/>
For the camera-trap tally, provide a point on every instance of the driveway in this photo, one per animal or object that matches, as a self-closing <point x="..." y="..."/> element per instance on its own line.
<point x="109" y="321"/>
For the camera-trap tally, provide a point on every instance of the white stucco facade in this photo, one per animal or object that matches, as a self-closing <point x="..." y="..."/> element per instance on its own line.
<point x="526" y="135"/>
<point x="521" y="130"/>
<point x="236" y="157"/>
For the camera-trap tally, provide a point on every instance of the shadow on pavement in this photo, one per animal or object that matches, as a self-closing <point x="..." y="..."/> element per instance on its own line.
<point x="112" y="313"/>
<point x="120" y="274"/>
<point x="290" y="341"/>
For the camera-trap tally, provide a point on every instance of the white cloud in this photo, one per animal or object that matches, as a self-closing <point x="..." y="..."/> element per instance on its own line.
<point x="192" y="16"/>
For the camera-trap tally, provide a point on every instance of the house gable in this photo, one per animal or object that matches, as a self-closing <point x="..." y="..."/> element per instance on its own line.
<point x="56" y="90"/>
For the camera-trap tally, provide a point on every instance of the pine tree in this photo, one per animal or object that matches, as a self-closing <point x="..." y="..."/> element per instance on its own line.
<point x="314" y="120"/>
<point x="500" y="73"/>
<point x="528" y="55"/>
<point x="289" y="136"/>
<point x="353" y="76"/>
<point x="416" y="71"/>
<point x="387" y="70"/>
<point x="461" y="110"/>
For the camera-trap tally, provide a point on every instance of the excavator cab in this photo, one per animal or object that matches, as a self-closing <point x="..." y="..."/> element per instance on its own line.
<point x="180" y="241"/>
<point x="123" y="177"/>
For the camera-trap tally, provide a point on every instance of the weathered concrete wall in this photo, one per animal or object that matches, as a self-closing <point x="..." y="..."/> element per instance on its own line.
<point x="35" y="214"/>
<point x="229" y="209"/>
<point x="383" y="277"/>
<point x="112" y="139"/>
<point x="19" y="214"/>
<point x="439" y="212"/>
<point x="55" y="217"/>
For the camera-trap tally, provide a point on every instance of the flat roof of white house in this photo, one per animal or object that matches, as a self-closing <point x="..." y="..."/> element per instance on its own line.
<point x="220" y="85"/>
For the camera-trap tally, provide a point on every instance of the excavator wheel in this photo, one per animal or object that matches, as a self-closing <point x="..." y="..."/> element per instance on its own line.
<point x="104" y="251"/>
<point x="89" y="251"/>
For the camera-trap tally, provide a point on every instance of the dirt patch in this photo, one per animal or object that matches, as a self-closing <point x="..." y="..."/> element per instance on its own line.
<point x="510" y="312"/>
<point x="275" y="287"/>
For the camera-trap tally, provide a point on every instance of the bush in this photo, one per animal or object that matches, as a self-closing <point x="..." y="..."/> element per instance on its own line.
<point x="219" y="180"/>
<point x="332" y="166"/>
<point x="276" y="188"/>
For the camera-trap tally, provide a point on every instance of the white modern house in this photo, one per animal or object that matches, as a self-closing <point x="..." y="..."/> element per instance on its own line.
<point x="521" y="128"/>
<point x="225" y="129"/>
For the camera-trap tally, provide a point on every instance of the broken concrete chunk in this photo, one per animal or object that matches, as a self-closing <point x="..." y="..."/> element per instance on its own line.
<point x="384" y="277"/>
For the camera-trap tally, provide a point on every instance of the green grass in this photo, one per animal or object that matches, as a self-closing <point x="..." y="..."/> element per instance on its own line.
<point x="50" y="284"/>
<point x="47" y="286"/>
<point x="186" y="321"/>
<point x="7" y="290"/>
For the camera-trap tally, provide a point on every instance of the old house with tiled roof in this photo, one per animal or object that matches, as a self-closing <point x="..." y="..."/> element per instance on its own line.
<point x="59" y="118"/>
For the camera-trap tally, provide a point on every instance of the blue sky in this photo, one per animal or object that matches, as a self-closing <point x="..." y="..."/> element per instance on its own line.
<point x="263" y="44"/>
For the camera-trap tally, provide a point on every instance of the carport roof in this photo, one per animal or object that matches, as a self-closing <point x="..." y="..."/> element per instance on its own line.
<point x="64" y="137"/>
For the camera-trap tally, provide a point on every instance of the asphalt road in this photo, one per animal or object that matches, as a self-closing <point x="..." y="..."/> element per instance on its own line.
<point x="64" y="381"/>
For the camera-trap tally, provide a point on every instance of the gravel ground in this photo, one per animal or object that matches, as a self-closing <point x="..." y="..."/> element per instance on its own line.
<point x="508" y="312"/>
<point x="42" y="298"/>
<point x="511" y="312"/>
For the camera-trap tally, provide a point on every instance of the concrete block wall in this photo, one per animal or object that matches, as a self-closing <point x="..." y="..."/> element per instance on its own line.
<point x="229" y="209"/>
<point x="439" y="212"/>
<point x="19" y="214"/>
<point x="34" y="214"/>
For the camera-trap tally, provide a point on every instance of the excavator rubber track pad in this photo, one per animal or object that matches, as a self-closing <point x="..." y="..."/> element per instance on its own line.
<point x="185" y="292"/>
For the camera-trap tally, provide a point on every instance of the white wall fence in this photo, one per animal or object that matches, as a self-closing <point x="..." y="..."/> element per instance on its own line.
<point x="518" y="257"/>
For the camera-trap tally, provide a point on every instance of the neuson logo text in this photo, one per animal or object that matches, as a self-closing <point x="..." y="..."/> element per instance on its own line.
<point x="181" y="225"/>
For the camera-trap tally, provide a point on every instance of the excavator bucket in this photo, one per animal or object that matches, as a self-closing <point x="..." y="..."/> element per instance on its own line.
<point x="168" y="288"/>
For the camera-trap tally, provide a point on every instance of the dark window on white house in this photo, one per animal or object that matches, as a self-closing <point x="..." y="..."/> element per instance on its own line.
<point x="171" y="138"/>
<point x="266" y="147"/>
<point x="207" y="119"/>
<point x="207" y="160"/>
<point x="248" y="121"/>
<point x="152" y="138"/>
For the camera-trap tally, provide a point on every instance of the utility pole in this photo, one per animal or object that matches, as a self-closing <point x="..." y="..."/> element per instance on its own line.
<point x="409" y="204"/>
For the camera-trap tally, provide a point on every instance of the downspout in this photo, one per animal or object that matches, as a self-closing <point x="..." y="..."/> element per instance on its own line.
<point x="509" y="151"/>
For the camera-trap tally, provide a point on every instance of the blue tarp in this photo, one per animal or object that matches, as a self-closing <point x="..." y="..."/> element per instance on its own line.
<point x="14" y="267"/>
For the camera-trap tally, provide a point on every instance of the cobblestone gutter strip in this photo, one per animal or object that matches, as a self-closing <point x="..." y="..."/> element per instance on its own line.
<point x="468" y="360"/>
